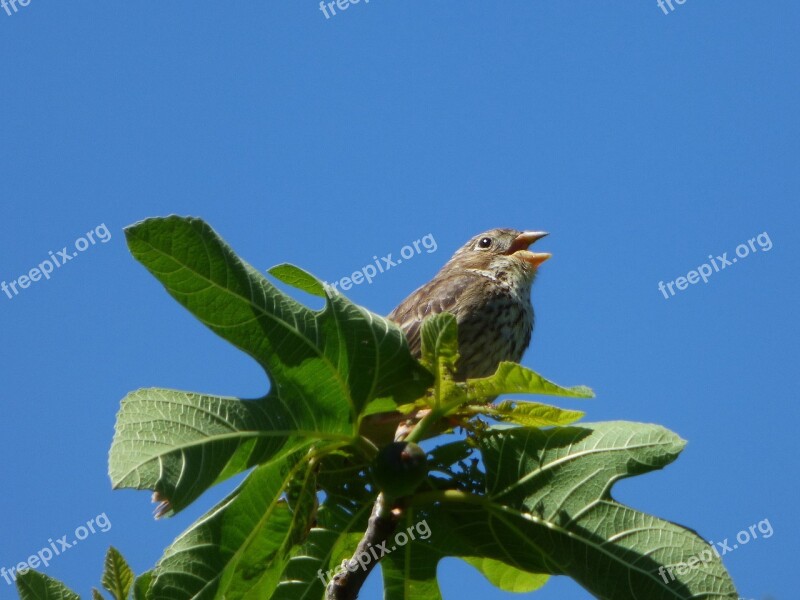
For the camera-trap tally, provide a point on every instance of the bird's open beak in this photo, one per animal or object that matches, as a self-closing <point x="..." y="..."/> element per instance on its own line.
<point x="519" y="248"/>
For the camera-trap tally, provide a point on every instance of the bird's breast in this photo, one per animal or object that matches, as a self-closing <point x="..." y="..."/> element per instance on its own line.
<point x="499" y="330"/>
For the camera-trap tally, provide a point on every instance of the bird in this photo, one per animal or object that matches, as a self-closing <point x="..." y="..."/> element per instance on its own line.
<point x="486" y="285"/>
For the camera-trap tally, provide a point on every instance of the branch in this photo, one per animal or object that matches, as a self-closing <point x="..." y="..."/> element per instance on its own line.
<point x="346" y="584"/>
<point x="352" y="574"/>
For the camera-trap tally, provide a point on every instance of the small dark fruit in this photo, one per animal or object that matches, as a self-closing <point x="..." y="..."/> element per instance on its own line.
<point x="399" y="468"/>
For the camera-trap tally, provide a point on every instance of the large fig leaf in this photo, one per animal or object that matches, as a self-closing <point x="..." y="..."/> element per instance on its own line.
<point x="547" y="509"/>
<point x="325" y="368"/>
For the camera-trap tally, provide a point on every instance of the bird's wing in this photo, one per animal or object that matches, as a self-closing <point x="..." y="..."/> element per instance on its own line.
<point x="438" y="295"/>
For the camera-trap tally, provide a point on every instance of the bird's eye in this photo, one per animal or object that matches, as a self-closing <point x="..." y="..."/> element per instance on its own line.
<point x="485" y="242"/>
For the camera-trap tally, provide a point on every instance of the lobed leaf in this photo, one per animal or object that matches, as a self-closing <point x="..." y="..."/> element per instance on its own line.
<point x="548" y="510"/>
<point x="325" y="367"/>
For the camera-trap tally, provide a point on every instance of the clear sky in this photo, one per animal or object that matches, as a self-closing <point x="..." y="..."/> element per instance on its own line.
<point x="643" y="141"/>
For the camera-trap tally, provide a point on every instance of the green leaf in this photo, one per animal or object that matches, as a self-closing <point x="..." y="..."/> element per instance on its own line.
<point x="343" y="350"/>
<point x="507" y="578"/>
<point x="118" y="577"/>
<point x="341" y="521"/>
<point x="240" y="548"/>
<point x="511" y="378"/>
<point x="142" y="585"/>
<point x="325" y="367"/>
<point x="409" y="571"/>
<point x="445" y="456"/>
<point x="530" y="414"/>
<point x="33" y="585"/>
<point x="182" y="443"/>
<point x="439" y="342"/>
<point x="548" y="510"/>
<point x="96" y="595"/>
<point x="298" y="278"/>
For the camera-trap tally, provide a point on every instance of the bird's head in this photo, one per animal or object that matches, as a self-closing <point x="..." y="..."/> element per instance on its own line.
<point x="502" y="250"/>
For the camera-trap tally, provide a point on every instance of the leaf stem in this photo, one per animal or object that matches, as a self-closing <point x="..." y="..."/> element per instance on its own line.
<point x="418" y="433"/>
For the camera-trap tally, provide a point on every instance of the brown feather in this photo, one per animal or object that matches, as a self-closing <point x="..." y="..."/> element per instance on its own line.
<point x="487" y="289"/>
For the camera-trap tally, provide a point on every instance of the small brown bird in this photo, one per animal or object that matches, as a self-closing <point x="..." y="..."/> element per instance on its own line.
<point x="486" y="285"/>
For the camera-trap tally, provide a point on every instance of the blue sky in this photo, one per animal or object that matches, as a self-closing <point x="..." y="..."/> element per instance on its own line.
<point x="643" y="141"/>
